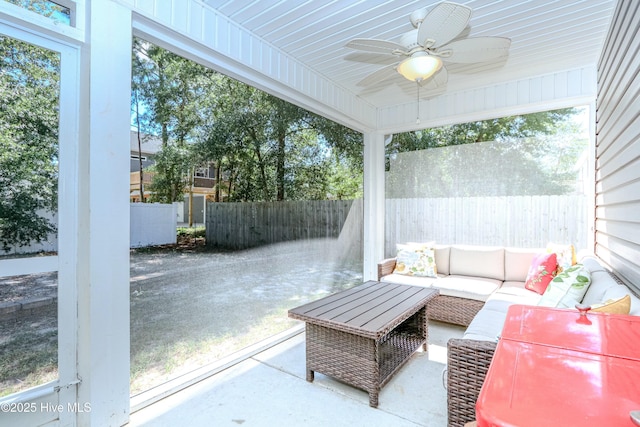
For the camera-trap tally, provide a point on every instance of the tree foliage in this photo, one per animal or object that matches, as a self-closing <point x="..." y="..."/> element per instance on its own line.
<point x="29" y="88"/>
<point x="263" y="148"/>
<point x="169" y="87"/>
<point x="48" y="8"/>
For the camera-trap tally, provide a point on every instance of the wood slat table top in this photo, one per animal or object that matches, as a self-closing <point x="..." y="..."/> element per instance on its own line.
<point x="370" y="309"/>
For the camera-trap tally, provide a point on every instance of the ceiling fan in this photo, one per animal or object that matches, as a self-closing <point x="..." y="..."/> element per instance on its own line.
<point x="421" y="53"/>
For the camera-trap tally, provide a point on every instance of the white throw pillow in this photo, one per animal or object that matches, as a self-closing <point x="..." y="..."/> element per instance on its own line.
<point x="567" y="288"/>
<point x="416" y="259"/>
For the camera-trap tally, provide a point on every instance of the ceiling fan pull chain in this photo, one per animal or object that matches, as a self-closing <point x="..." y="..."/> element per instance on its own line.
<point x="418" y="118"/>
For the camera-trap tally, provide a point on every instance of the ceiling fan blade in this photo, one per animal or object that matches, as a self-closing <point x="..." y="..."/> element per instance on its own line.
<point x="477" y="49"/>
<point x="374" y="45"/>
<point x="437" y="81"/>
<point x="443" y="24"/>
<point x="381" y="75"/>
<point x="371" y="58"/>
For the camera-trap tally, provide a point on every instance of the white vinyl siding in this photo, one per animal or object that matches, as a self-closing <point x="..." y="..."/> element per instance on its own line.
<point x="617" y="225"/>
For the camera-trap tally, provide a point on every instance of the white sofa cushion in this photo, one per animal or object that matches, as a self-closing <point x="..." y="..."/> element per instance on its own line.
<point x="442" y="258"/>
<point x="604" y="287"/>
<point x="517" y="262"/>
<point x="592" y="263"/>
<point x="487" y="324"/>
<point x="600" y="282"/>
<point x="477" y="261"/>
<point x="475" y="288"/>
<point x="403" y="279"/>
<point x="515" y="293"/>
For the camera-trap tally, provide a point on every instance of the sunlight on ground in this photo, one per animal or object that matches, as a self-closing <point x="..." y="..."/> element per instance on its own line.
<point x="438" y="353"/>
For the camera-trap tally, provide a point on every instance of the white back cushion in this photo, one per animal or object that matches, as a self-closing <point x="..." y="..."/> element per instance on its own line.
<point x="478" y="261"/>
<point x="517" y="262"/>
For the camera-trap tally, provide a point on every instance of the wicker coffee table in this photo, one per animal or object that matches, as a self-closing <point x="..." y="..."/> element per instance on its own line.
<point x="363" y="335"/>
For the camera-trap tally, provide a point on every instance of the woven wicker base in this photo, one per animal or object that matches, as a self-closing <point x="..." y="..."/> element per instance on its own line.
<point x="363" y="362"/>
<point x="467" y="365"/>
<point x="459" y="311"/>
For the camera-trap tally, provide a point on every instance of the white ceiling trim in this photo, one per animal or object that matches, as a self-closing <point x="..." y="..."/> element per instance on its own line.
<point x="562" y="89"/>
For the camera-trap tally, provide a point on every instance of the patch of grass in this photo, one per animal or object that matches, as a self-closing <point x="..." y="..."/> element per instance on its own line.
<point x="191" y="231"/>
<point x="28" y="359"/>
<point x="158" y="362"/>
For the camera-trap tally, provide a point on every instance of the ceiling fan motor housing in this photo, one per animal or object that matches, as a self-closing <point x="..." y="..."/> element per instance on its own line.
<point x="410" y="40"/>
<point x="418" y="16"/>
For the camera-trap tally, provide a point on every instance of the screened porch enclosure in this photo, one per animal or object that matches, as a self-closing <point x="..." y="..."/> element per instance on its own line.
<point x="302" y="60"/>
<point x="515" y="192"/>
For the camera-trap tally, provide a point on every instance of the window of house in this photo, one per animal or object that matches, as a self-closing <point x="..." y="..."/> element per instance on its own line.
<point x="201" y="172"/>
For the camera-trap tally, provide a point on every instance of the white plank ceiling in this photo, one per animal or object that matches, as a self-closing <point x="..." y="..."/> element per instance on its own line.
<point x="546" y="37"/>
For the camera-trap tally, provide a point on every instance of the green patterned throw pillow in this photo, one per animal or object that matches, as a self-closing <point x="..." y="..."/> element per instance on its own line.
<point x="567" y="288"/>
<point x="416" y="260"/>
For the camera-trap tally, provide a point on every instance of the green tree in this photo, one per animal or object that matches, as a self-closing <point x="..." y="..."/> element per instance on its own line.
<point x="29" y="89"/>
<point x="48" y="8"/>
<point x="262" y="148"/>
<point x="509" y="128"/>
<point x="273" y="150"/>
<point x="169" y="87"/>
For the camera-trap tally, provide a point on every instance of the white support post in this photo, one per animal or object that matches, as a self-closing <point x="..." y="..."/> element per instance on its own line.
<point x="103" y="260"/>
<point x="373" y="203"/>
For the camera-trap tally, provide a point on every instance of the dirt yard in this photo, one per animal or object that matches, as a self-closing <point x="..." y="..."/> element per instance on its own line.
<point x="189" y="306"/>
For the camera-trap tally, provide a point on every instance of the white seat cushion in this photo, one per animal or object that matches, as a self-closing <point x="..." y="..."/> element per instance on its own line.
<point x="486" y="325"/>
<point x="403" y="279"/>
<point x="515" y="293"/>
<point x="476" y="288"/>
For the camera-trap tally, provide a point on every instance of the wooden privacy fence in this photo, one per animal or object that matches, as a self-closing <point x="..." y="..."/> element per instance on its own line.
<point x="520" y="221"/>
<point x="246" y="225"/>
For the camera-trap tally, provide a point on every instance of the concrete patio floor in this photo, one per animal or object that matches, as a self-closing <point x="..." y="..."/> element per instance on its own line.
<point x="270" y="389"/>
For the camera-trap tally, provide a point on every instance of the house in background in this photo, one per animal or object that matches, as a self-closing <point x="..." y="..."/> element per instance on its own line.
<point x="196" y="197"/>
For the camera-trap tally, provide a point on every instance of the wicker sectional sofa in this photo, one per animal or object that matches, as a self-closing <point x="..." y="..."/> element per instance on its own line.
<point x="477" y="284"/>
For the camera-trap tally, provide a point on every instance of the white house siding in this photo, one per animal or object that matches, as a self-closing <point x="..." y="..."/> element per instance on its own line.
<point x="617" y="213"/>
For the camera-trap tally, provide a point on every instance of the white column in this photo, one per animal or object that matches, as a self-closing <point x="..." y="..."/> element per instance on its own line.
<point x="374" y="200"/>
<point x="103" y="261"/>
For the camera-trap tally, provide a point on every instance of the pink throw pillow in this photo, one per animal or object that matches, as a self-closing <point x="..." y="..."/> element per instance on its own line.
<point x="543" y="268"/>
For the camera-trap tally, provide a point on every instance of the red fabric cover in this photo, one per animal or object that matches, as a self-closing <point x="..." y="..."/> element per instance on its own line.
<point x="543" y="269"/>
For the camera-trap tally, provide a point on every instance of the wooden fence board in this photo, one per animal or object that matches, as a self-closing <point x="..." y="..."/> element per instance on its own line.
<point x="520" y="221"/>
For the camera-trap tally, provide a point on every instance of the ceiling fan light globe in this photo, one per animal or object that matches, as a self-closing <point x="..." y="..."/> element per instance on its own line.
<point x="419" y="68"/>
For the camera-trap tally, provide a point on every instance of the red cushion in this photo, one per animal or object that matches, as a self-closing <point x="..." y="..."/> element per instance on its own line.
<point x="543" y="268"/>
